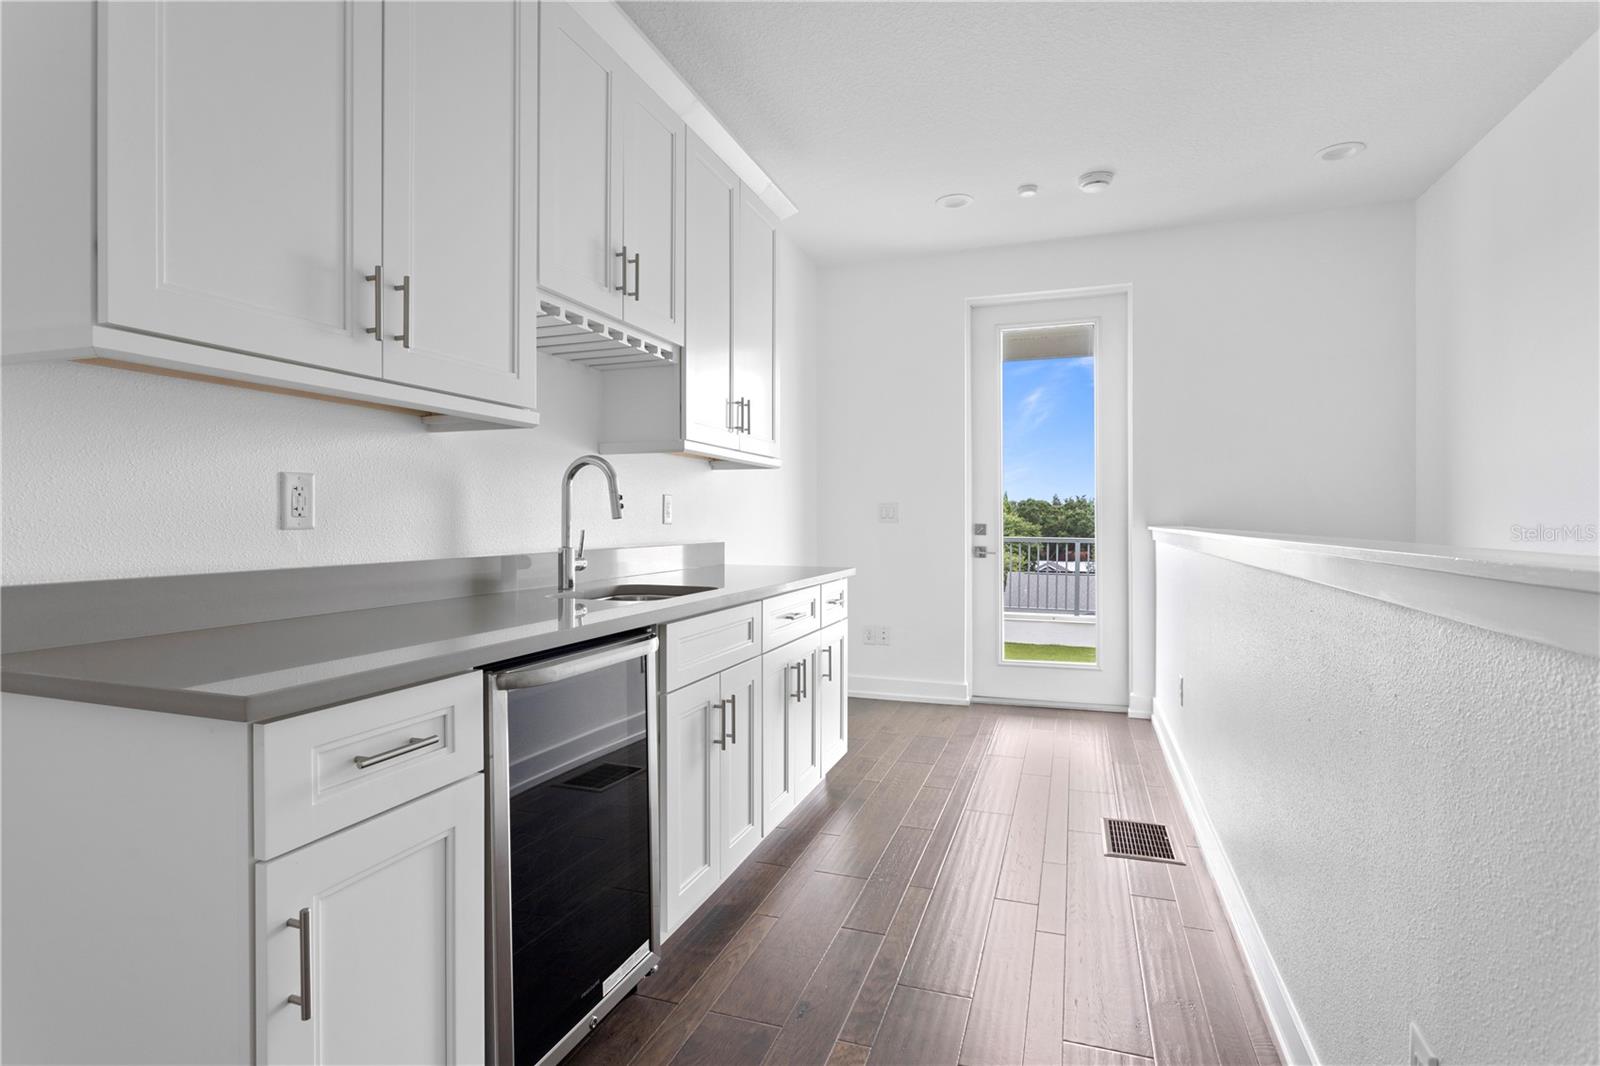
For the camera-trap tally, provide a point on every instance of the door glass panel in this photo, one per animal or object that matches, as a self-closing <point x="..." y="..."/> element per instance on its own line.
<point x="1048" y="559"/>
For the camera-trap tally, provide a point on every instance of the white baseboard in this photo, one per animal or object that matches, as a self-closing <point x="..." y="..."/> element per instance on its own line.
<point x="905" y="688"/>
<point x="1287" y="1026"/>
<point x="1054" y="705"/>
<point x="1140" y="706"/>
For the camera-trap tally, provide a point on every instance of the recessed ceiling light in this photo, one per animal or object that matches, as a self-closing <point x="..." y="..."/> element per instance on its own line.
<point x="1343" y="150"/>
<point x="1028" y="192"/>
<point x="954" y="199"/>
<point x="1095" y="181"/>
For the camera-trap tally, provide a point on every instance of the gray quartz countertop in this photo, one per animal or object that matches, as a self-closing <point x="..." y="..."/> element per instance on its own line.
<point x="259" y="671"/>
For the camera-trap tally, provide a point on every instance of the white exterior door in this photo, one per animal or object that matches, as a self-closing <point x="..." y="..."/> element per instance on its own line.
<point x="459" y="240"/>
<point x="1001" y="618"/>
<point x="691" y="798"/>
<point x="832" y="718"/>
<point x="240" y="173"/>
<point x="755" y="365"/>
<point x="711" y="211"/>
<point x="652" y="219"/>
<point x="389" y="958"/>
<point x="740" y="766"/>
<point x="580" y="186"/>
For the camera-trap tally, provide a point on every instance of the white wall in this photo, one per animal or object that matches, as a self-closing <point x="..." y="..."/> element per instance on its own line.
<point x="1408" y="802"/>
<point x="1508" y="326"/>
<point x="1272" y="390"/>
<point x="110" y="473"/>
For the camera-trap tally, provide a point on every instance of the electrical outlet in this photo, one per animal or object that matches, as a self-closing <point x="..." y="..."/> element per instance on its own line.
<point x="883" y="635"/>
<point x="1421" y="1053"/>
<point x="875" y="634"/>
<point x="666" y="508"/>
<point x="888" y="512"/>
<point x="297" y="500"/>
<point x="1180" y="690"/>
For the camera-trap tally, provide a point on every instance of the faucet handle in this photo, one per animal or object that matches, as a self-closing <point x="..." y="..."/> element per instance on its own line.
<point x="579" y="562"/>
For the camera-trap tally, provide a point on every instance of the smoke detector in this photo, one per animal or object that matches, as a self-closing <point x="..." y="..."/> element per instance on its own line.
<point x="1095" y="181"/>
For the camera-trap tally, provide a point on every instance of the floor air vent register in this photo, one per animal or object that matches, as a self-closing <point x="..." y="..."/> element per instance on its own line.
<point x="1147" y="841"/>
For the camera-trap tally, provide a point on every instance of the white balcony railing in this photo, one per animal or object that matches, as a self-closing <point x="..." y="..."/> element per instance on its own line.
<point x="1050" y="575"/>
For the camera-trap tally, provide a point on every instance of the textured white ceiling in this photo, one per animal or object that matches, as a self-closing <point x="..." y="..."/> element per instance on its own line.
<point x="864" y="112"/>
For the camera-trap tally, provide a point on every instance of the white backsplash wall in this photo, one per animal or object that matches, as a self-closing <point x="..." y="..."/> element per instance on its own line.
<point x="109" y="473"/>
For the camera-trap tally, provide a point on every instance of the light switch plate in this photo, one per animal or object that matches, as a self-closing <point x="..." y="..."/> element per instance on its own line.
<point x="666" y="508"/>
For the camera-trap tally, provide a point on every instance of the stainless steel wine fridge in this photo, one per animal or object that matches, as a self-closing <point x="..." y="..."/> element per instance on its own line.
<point x="572" y="770"/>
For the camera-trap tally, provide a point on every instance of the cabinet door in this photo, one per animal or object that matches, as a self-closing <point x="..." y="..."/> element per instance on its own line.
<point x="652" y="210"/>
<point x="780" y="699"/>
<point x="711" y="212"/>
<point x="691" y="798"/>
<point x="394" y="949"/>
<point x="241" y="147"/>
<point x="580" y="195"/>
<point x="805" y="752"/>
<point x="459" y="196"/>
<point x="832" y="695"/>
<point x="740" y="769"/>
<point x="755" y="360"/>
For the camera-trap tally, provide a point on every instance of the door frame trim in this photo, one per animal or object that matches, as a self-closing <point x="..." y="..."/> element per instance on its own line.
<point x="973" y="304"/>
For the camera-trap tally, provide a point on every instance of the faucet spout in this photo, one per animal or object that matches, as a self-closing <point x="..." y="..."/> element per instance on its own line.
<point x="568" y="561"/>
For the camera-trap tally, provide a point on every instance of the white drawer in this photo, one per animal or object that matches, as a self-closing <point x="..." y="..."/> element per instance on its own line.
<point x="309" y="782"/>
<point x="835" y="595"/>
<point x="709" y="644"/>
<point x="794" y="614"/>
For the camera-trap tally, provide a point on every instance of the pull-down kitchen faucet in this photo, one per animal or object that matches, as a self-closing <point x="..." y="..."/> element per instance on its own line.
<point x="569" y="562"/>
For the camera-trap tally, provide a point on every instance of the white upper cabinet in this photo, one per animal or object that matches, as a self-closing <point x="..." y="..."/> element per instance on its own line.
<point x="610" y="182"/>
<point x="460" y="143"/>
<point x="580" y="204"/>
<point x="712" y="213"/>
<point x="755" y="357"/>
<point x="241" y="176"/>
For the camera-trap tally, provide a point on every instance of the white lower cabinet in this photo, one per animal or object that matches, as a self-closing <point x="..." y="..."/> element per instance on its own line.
<point x="385" y="953"/>
<point x="711" y="773"/>
<point x="790" y="764"/>
<point x="832" y="701"/>
<point x="742" y="746"/>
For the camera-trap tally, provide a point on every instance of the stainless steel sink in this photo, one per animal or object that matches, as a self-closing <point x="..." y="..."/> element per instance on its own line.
<point x="635" y="593"/>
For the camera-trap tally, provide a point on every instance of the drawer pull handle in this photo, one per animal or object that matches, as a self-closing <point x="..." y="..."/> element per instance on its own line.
<point x="722" y="711"/>
<point x="733" y="708"/>
<point x="829" y="650"/>
<point x="303" y="999"/>
<point x="794" y="616"/>
<point x="414" y="744"/>
<point x="837" y="601"/>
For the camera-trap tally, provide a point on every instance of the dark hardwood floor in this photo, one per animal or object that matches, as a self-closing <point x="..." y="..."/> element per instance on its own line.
<point x="944" y="898"/>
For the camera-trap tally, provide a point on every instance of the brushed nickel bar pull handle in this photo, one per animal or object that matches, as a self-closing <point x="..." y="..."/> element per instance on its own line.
<point x="745" y="424"/>
<point x="622" y="255"/>
<point x="732" y="415"/>
<point x="376" y="277"/>
<point x="733" y="706"/>
<point x="805" y="678"/>
<point x="837" y="601"/>
<point x="796" y="695"/>
<point x="303" y="999"/>
<point x="364" y="762"/>
<point x="635" y="261"/>
<point x="722" y="712"/>
<point x="792" y="616"/>
<point x="829" y="650"/>
<point x="404" y="289"/>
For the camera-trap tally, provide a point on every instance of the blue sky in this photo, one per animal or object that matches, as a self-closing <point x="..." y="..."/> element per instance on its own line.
<point x="1048" y="406"/>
